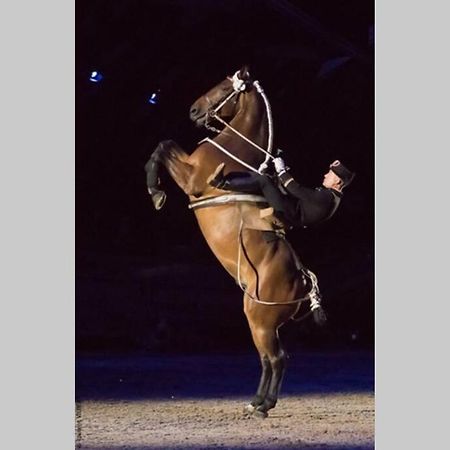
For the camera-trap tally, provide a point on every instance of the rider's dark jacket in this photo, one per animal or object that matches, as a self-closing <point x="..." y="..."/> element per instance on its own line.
<point x="313" y="205"/>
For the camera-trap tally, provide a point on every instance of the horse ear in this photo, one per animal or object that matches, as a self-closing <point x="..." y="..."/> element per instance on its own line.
<point x="244" y="73"/>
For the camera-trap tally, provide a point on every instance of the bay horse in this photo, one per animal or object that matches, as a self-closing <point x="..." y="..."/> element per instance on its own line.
<point x="252" y="249"/>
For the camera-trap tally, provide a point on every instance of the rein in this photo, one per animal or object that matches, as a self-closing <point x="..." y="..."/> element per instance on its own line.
<point x="224" y="150"/>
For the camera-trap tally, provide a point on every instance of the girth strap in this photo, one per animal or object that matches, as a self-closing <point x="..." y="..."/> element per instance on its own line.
<point x="227" y="198"/>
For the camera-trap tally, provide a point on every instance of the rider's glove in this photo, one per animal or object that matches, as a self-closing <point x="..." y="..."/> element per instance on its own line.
<point x="280" y="165"/>
<point x="263" y="167"/>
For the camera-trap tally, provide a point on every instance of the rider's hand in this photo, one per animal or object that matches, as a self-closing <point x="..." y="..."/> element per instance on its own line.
<point x="279" y="164"/>
<point x="263" y="167"/>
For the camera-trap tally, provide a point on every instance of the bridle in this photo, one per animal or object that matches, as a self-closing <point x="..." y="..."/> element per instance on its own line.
<point x="240" y="86"/>
<point x="211" y="113"/>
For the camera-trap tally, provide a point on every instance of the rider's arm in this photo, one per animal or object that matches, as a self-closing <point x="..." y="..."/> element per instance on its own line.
<point x="286" y="178"/>
<point x="289" y="183"/>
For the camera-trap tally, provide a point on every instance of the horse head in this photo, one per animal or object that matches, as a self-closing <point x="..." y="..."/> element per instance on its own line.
<point x="223" y="99"/>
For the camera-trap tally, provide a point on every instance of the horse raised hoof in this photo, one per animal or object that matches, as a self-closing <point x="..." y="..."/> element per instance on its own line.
<point x="158" y="198"/>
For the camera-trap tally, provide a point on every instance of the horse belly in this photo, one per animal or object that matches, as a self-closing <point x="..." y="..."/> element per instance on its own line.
<point x="220" y="228"/>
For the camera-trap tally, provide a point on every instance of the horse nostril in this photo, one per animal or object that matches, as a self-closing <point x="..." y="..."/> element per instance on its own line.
<point x="193" y="111"/>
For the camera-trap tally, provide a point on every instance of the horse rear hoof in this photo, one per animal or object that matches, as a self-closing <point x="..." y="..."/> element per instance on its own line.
<point x="259" y="414"/>
<point x="158" y="198"/>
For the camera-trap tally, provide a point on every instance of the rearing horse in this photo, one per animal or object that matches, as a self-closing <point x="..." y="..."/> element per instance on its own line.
<point x="255" y="254"/>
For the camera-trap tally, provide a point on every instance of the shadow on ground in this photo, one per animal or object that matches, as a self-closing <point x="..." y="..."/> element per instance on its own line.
<point x="100" y="377"/>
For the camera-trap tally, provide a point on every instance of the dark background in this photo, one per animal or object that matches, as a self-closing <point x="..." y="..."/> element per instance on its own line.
<point x="146" y="280"/>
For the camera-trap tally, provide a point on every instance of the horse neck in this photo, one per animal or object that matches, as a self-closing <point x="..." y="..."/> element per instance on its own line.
<point x="251" y="121"/>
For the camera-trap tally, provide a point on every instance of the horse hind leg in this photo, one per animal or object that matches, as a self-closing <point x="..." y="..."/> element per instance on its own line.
<point x="170" y="155"/>
<point x="273" y="360"/>
<point x="278" y="365"/>
<point x="264" y="382"/>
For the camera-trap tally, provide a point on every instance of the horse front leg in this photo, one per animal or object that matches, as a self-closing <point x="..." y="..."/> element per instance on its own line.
<point x="264" y="383"/>
<point x="170" y="155"/>
<point x="152" y="168"/>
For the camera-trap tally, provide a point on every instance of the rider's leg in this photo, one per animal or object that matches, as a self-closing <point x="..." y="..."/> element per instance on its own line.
<point x="255" y="183"/>
<point x="235" y="181"/>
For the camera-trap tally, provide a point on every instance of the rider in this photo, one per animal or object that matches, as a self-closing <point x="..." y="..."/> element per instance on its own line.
<point x="300" y="206"/>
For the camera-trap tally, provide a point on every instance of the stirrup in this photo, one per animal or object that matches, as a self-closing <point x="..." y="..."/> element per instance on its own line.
<point x="316" y="298"/>
<point x="319" y="316"/>
<point x="217" y="176"/>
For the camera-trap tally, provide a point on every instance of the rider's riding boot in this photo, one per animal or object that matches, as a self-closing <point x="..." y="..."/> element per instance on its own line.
<point x="235" y="181"/>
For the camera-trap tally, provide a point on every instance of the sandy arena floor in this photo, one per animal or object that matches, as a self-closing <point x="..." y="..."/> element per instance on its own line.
<point x="195" y="402"/>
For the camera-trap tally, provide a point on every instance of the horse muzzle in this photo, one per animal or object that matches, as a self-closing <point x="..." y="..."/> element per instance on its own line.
<point x="196" y="114"/>
<point x="199" y="119"/>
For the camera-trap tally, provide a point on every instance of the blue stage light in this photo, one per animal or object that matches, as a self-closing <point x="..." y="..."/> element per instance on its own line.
<point x="95" y="76"/>
<point x="154" y="98"/>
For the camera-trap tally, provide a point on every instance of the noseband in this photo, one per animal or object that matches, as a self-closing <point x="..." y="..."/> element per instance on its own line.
<point x="239" y="86"/>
